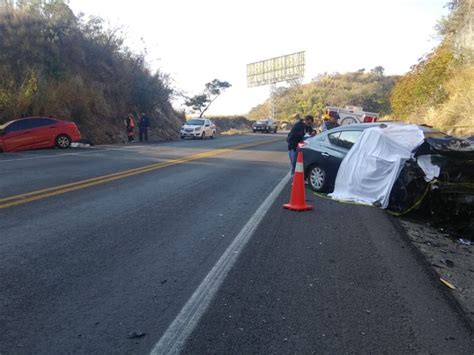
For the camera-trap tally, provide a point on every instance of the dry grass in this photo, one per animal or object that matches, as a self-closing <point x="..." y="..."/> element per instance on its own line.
<point x="456" y="115"/>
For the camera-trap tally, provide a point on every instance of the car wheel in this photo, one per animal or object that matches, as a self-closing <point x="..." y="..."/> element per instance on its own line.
<point x="275" y="130"/>
<point x="203" y="135"/>
<point x="317" y="178"/>
<point x="348" y="120"/>
<point x="182" y="137"/>
<point x="63" y="141"/>
<point x="213" y="135"/>
<point x="254" y="131"/>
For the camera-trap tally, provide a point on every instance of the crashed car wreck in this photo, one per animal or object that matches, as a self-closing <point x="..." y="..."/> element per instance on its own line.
<point x="407" y="167"/>
<point x="446" y="190"/>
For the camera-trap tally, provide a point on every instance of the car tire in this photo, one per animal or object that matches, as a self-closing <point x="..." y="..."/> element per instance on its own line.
<point x="62" y="141"/>
<point x="348" y="120"/>
<point x="254" y="131"/>
<point x="182" y="137"/>
<point x="213" y="135"/>
<point x="317" y="178"/>
<point x="203" y="135"/>
<point x="275" y="130"/>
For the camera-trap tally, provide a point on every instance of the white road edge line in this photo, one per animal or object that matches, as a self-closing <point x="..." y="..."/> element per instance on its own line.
<point x="175" y="336"/>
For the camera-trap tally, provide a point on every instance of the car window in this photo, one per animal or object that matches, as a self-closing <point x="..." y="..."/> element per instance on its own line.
<point x="40" y="122"/>
<point x="195" y="122"/>
<point x="334" y="137"/>
<point x="347" y="139"/>
<point x="16" y="126"/>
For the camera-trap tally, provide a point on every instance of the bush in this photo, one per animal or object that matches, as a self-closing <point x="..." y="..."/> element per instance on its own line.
<point x="54" y="63"/>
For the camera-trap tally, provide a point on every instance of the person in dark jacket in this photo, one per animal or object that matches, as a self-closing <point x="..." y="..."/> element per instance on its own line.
<point x="143" y="127"/>
<point x="332" y="122"/>
<point x="295" y="136"/>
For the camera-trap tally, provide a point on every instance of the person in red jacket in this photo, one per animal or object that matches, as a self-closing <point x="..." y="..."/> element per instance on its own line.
<point x="130" y="124"/>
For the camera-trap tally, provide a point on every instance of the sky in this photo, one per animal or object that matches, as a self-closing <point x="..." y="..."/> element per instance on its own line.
<point x="196" y="41"/>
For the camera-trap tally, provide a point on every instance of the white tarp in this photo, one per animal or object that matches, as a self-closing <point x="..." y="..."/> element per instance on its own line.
<point x="369" y="170"/>
<point x="431" y="171"/>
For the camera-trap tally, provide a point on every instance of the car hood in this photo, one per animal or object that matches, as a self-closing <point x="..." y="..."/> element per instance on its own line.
<point x="452" y="147"/>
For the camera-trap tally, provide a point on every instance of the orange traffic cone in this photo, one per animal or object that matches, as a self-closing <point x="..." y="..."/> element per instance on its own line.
<point x="298" y="197"/>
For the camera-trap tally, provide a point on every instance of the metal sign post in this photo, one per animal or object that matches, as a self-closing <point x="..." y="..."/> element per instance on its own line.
<point x="288" y="68"/>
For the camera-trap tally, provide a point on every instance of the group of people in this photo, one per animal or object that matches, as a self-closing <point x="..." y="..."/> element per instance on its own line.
<point x="304" y="127"/>
<point x="143" y="127"/>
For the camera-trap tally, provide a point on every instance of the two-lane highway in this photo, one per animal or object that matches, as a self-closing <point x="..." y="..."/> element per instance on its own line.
<point x="99" y="243"/>
<point x="184" y="246"/>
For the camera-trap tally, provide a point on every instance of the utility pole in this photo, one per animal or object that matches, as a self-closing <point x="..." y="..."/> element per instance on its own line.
<point x="272" y="95"/>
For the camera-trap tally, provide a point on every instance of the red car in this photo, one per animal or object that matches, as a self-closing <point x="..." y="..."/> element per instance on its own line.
<point x="37" y="132"/>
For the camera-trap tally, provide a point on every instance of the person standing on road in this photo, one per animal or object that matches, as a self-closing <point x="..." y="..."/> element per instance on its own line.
<point x="331" y="122"/>
<point x="295" y="136"/>
<point x="143" y="127"/>
<point x="130" y="124"/>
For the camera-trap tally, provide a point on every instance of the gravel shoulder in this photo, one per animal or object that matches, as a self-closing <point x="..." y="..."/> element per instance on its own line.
<point x="451" y="259"/>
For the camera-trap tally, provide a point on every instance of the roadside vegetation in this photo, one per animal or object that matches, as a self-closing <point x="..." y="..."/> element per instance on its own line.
<point x="439" y="89"/>
<point x="230" y="125"/>
<point x="369" y="89"/>
<point x="53" y="63"/>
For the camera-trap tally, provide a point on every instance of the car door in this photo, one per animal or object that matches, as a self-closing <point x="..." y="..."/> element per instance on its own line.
<point x="207" y="128"/>
<point x="43" y="132"/>
<point x="17" y="136"/>
<point x="213" y="126"/>
<point x="332" y="155"/>
<point x="340" y="145"/>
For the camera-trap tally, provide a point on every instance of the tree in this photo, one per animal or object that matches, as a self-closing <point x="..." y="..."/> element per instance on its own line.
<point x="378" y="70"/>
<point x="201" y="102"/>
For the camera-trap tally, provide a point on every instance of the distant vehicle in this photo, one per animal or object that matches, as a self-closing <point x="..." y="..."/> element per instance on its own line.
<point x="265" y="126"/>
<point x="353" y="114"/>
<point x="198" y="128"/>
<point x="37" y="132"/>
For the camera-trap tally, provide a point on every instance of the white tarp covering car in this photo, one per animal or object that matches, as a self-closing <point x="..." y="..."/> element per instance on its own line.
<point x="370" y="169"/>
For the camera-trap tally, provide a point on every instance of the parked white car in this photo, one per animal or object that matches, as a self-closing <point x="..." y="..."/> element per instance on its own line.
<point x="198" y="128"/>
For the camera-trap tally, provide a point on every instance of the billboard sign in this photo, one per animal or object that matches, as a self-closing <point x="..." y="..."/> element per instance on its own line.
<point x="274" y="70"/>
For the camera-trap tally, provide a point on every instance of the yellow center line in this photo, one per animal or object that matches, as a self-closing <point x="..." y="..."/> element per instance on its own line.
<point x="61" y="189"/>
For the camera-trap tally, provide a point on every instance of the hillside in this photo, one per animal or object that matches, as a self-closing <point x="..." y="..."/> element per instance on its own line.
<point x="439" y="89"/>
<point x="54" y="63"/>
<point x="370" y="90"/>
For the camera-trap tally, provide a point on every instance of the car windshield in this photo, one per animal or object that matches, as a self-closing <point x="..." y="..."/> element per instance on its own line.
<point x="195" y="122"/>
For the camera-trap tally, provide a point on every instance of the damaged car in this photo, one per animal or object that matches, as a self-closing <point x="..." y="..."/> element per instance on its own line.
<point x="439" y="177"/>
<point x="393" y="165"/>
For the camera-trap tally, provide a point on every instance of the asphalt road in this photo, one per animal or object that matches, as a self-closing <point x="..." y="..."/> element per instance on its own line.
<point x="106" y="265"/>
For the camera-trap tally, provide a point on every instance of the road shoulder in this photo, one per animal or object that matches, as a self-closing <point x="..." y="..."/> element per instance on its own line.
<point x="338" y="279"/>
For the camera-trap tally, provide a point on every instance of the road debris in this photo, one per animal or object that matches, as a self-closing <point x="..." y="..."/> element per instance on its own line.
<point x="450" y="259"/>
<point x="135" y="335"/>
<point x="447" y="283"/>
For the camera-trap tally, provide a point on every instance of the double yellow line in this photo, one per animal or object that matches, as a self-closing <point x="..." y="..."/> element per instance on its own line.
<point x="78" y="185"/>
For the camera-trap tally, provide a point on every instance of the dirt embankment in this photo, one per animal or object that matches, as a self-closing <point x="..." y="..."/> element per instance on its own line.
<point x="232" y="124"/>
<point x="164" y="125"/>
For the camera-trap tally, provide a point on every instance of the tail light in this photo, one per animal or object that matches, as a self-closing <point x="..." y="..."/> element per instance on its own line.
<point x="370" y="119"/>
<point x="302" y="145"/>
